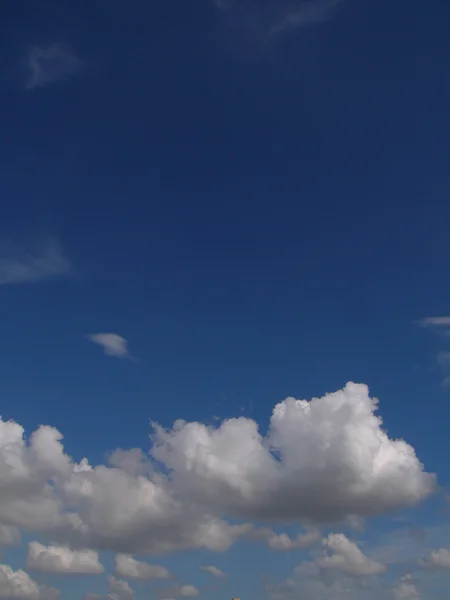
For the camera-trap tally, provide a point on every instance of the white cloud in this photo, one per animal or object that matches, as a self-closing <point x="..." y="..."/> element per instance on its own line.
<point x="347" y="557"/>
<point x="435" y="321"/>
<point x="24" y="265"/>
<point x="214" y="571"/>
<point x="112" y="344"/>
<point x="405" y="589"/>
<point x="18" y="585"/>
<point x="119" y="590"/>
<point x="321" y="460"/>
<point x="127" y="566"/>
<point x="60" y="559"/>
<point x="283" y="542"/>
<point x="188" y="591"/>
<point x="49" y="64"/>
<point x="438" y="560"/>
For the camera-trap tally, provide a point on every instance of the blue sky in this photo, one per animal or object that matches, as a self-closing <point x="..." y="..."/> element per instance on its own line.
<point x="209" y="207"/>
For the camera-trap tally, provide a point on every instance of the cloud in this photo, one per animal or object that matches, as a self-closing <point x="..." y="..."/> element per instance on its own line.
<point x="320" y="460"/>
<point x="405" y="589"/>
<point x="437" y="560"/>
<point x="60" y="559"/>
<point x="18" y="585"/>
<point x="119" y="590"/>
<point x="9" y="536"/>
<point x="49" y="64"/>
<point x="26" y="265"/>
<point x="265" y="19"/>
<point x="180" y="591"/>
<point x="435" y="322"/>
<point x="283" y="542"/>
<point x="347" y="557"/>
<point x="127" y="566"/>
<point x="214" y="571"/>
<point x="112" y="344"/>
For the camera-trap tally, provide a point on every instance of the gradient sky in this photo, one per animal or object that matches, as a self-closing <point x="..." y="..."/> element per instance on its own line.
<point x="208" y="207"/>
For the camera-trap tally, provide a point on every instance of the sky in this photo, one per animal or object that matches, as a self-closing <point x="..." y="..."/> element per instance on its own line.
<point x="225" y="300"/>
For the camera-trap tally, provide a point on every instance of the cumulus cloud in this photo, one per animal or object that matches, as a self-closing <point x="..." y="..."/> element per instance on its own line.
<point x="214" y="571"/>
<point x="49" y="64"/>
<point x="127" y="566"/>
<point x="19" y="264"/>
<point x="18" y="585"/>
<point x="112" y="344"/>
<point x="437" y="560"/>
<point x="347" y="557"/>
<point x="405" y="589"/>
<point x="283" y="542"/>
<point x="119" y="590"/>
<point x="321" y="460"/>
<point x="60" y="559"/>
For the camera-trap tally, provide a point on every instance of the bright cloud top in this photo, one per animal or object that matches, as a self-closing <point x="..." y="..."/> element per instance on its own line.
<point x="60" y="559"/>
<point x="321" y="460"/>
<point x="438" y="559"/>
<point x="348" y="558"/>
<point x="112" y="344"/>
<point x="43" y="261"/>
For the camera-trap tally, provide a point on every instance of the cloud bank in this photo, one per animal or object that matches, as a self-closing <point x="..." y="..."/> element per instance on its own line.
<point x="321" y="460"/>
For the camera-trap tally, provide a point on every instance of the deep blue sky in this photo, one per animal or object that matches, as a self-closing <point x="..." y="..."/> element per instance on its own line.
<point x="257" y="217"/>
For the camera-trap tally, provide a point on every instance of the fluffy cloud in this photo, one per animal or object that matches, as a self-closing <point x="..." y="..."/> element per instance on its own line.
<point x="347" y="557"/>
<point x="112" y="344"/>
<point x="127" y="566"/>
<point x="18" y="585"/>
<point x="321" y="460"/>
<point x="60" y="559"/>
<point x="405" y="589"/>
<point x="283" y="542"/>
<point x="214" y="571"/>
<point x="19" y="264"/>
<point x="48" y="64"/>
<point x="438" y="559"/>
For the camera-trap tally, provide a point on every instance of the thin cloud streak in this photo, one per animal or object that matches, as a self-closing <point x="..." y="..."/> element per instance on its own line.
<point x="22" y="265"/>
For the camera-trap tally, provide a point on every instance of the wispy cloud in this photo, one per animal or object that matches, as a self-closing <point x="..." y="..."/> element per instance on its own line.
<point x="214" y="571"/>
<point x="267" y="19"/>
<point x="48" y="64"/>
<point x="112" y="344"/>
<point x="435" y="322"/>
<point x="19" y="264"/>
